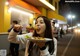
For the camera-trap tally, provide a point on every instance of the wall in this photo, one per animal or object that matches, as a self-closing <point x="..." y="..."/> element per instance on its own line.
<point x="43" y="10"/>
<point x="7" y="18"/>
<point x="4" y="17"/>
<point x="1" y="15"/>
<point x="4" y="43"/>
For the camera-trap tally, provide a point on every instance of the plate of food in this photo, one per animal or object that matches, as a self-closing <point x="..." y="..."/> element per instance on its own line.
<point x="39" y="39"/>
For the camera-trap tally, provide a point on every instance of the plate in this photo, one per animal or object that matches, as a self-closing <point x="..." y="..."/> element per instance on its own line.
<point x="40" y="40"/>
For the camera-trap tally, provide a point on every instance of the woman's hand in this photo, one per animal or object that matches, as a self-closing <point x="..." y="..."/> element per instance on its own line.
<point x="17" y="27"/>
<point x="40" y="44"/>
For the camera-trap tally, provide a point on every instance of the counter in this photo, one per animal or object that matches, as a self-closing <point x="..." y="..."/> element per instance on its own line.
<point x="3" y="33"/>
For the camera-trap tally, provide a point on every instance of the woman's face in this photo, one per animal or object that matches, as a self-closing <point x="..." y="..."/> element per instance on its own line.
<point x="41" y="26"/>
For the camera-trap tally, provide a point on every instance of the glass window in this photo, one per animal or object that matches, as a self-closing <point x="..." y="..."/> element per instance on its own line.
<point x="56" y="5"/>
<point x="51" y="1"/>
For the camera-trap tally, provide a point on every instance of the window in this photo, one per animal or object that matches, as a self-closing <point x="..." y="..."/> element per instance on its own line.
<point x="51" y="2"/>
<point x="56" y="5"/>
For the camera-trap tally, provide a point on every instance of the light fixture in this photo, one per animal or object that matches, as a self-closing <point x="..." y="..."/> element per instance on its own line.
<point x="20" y="11"/>
<point x="78" y="25"/>
<point x="47" y="4"/>
<point x="6" y="3"/>
<point x="71" y="16"/>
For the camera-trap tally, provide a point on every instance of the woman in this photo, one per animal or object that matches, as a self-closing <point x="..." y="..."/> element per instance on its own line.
<point x="44" y="30"/>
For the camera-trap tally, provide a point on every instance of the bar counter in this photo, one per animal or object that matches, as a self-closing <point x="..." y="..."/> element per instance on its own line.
<point x="3" y="33"/>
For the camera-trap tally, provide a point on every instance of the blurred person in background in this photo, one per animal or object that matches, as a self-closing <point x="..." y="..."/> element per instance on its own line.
<point x="30" y="28"/>
<point x="14" y="47"/>
<point x="54" y="30"/>
<point x="61" y="32"/>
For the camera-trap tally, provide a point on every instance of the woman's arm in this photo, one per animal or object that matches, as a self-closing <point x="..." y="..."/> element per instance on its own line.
<point x="15" y="38"/>
<point x="12" y="36"/>
<point x="55" y="47"/>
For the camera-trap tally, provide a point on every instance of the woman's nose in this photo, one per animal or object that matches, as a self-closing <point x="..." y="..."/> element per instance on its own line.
<point x="38" y="25"/>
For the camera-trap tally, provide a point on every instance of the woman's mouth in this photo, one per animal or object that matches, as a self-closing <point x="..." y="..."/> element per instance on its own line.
<point x="38" y="29"/>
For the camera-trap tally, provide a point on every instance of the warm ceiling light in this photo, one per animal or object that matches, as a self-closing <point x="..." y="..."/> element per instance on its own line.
<point x="20" y="11"/>
<point x="47" y="4"/>
<point x="7" y="3"/>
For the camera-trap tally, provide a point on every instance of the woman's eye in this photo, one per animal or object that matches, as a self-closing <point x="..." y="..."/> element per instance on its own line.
<point x="41" y="22"/>
<point x="35" y="22"/>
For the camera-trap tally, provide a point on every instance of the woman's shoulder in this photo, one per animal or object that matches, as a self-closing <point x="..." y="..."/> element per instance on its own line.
<point x="55" y="40"/>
